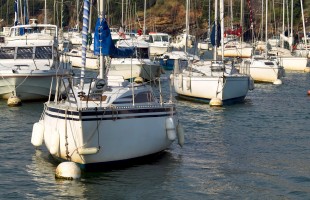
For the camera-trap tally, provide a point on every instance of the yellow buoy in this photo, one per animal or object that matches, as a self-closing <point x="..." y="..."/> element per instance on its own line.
<point x="138" y="79"/>
<point x="216" y="102"/>
<point x="307" y="69"/>
<point x="14" y="101"/>
<point x="68" y="171"/>
<point x="277" y="82"/>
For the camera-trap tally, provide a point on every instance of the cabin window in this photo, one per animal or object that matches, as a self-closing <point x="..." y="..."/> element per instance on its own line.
<point x="7" y="53"/>
<point x="268" y="63"/>
<point x="157" y="38"/>
<point x="165" y="38"/>
<point x="44" y="52"/>
<point x="24" y="53"/>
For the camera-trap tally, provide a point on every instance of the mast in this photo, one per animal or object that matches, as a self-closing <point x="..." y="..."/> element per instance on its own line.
<point x="303" y="24"/>
<point x="241" y="21"/>
<point x="292" y="38"/>
<point x="222" y="27"/>
<point x="283" y="22"/>
<point x="231" y="15"/>
<point x="186" y="25"/>
<point x="209" y="22"/>
<point x="45" y="17"/>
<point x="84" y="38"/>
<point x="122" y="13"/>
<point x="215" y="30"/>
<point x="144" y="17"/>
<point x="266" y="31"/>
<point x="77" y="15"/>
<point x="101" y="59"/>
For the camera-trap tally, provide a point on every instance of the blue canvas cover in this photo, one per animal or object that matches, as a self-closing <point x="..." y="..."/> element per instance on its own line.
<point x="102" y="38"/>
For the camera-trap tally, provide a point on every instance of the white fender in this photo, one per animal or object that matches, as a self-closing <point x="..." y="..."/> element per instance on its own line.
<point x="180" y="132"/>
<point x="251" y="84"/>
<point x="188" y="83"/>
<point x="171" y="79"/>
<point x="54" y="143"/>
<point x="88" y="151"/>
<point x="180" y="83"/>
<point x="37" y="134"/>
<point x="170" y="129"/>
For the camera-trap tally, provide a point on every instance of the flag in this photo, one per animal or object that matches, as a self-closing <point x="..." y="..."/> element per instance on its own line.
<point x="121" y="33"/>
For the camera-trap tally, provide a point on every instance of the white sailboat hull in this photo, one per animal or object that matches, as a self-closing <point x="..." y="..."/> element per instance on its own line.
<point x="117" y="134"/>
<point x="263" y="70"/>
<point x="244" y="52"/>
<point x="76" y="61"/>
<point x="233" y="88"/>
<point x="293" y="63"/>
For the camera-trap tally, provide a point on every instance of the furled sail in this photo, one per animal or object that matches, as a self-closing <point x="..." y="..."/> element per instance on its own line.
<point x="103" y="44"/>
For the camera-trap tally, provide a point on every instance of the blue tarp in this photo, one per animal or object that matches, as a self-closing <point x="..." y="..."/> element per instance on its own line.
<point x="102" y="38"/>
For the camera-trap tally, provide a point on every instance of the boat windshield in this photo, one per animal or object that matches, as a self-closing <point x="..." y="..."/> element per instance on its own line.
<point x="160" y="38"/>
<point x="7" y="52"/>
<point x="44" y="52"/>
<point x="24" y="53"/>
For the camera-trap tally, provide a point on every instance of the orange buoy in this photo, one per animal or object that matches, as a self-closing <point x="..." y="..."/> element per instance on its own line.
<point x="308" y="92"/>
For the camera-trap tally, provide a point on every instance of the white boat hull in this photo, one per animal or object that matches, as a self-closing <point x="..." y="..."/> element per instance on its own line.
<point x="244" y="52"/>
<point x="263" y="70"/>
<point x="76" y="61"/>
<point x="131" y="68"/>
<point x="158" y="50"/>
<point x="293" y="63"/>
<point x="27" y="85"/>
<point x="205" y="88"/>
<point x="117" y="134"/>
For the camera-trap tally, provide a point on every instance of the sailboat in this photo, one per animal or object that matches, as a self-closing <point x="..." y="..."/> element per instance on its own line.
<point x="232" y="46"/>
<point x="106" y="120"/>
<point x="212" y="81"/>
<point x="285" y="57"/>
<point x="261" y="67"/>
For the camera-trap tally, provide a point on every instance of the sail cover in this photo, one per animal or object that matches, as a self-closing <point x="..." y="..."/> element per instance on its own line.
<point x="216" y="41"/>
<point x="103" y="44"/>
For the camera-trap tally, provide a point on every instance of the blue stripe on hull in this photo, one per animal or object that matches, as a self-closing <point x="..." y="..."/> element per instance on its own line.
<point x="109" y="115"/>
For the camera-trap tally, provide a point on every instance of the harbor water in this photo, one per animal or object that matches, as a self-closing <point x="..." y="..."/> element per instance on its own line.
<point x="259" y="149"/>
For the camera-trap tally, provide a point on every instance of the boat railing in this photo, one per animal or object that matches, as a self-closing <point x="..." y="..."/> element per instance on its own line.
<point x="244" y="67"/>
<point x="93" y="91"/>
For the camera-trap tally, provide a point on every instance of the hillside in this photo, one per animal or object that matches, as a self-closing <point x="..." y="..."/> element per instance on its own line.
<point x="162" y="15"/>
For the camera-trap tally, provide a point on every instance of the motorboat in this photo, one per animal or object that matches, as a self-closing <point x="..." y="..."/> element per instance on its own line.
<point x="29" y="61"/>
<point x="159" y="43"/>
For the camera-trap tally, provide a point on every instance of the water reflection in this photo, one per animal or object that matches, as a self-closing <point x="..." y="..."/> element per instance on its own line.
<point x="42" y="171"/>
